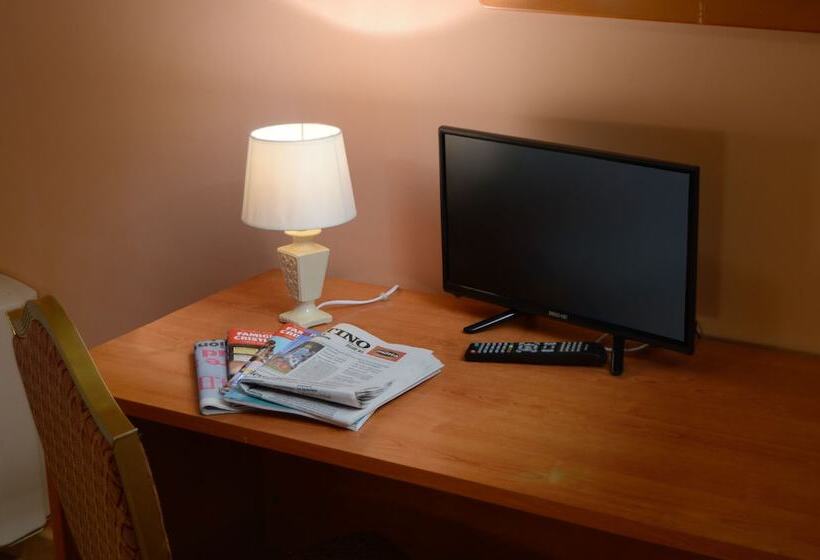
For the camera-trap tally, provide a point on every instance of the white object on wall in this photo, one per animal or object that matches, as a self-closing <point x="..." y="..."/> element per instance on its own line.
<point x="23" y="491"/>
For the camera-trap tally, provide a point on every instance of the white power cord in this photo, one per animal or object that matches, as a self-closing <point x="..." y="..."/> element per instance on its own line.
<point x="384" y="296"/>
<point x="633" y="349"/>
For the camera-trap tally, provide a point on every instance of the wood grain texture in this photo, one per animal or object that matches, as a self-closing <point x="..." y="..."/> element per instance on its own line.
<point x="787" y="15"/>
<point x="716" y="453"/>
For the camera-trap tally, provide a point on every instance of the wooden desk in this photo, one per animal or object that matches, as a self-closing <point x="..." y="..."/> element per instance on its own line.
<point x="717" y="453"/>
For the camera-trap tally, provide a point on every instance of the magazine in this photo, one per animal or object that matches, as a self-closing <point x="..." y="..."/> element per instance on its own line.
<point x="212" y="375"/>
<point x="213" y="366"/>
<point x="286" y="337"/>
<point x="340" y="376"/>
<point x="243" y="344"/>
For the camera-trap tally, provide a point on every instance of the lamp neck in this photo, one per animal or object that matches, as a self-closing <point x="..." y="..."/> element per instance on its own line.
<point x="303" y="235"/>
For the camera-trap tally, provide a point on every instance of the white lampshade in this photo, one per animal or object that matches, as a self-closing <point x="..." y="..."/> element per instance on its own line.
<point x="297" y="178"/>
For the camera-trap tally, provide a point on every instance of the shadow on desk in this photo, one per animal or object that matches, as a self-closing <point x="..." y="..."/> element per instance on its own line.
<point x="223" y="499"/>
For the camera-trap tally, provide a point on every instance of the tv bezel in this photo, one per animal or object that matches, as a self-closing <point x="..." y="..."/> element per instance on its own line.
<point x="686" y="346"/>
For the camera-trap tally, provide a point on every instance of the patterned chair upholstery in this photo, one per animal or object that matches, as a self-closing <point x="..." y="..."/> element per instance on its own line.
<point x="93" y="455"/>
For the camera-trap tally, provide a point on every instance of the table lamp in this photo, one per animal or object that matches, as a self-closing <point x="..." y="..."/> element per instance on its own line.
<point x="297" y="181"/>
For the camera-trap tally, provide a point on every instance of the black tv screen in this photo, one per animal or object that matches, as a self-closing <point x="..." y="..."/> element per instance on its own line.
<point x="599" y="239"/>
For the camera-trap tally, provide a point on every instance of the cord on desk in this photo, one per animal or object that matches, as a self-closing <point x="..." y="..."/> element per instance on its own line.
<point x="384" y="296"/>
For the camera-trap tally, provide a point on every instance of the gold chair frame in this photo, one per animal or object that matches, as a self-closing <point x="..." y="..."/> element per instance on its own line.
<point x="131" y="461"/>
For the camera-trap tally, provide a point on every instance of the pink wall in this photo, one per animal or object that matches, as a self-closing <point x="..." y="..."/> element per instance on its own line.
<point x="125" y="125"/>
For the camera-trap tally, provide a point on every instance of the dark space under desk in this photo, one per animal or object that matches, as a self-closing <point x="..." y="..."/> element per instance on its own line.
<point x="715" y="454"/>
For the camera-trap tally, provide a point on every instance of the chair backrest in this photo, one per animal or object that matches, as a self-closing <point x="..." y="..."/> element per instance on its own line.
<point x="92" y="452"/>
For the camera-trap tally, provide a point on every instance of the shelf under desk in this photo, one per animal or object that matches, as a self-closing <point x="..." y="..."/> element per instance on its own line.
<point x="716" y="453"/>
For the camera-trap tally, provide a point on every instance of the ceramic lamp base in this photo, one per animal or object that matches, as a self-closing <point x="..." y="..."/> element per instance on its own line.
<point x="306" y="314"/>
<point x="304" y="263"/>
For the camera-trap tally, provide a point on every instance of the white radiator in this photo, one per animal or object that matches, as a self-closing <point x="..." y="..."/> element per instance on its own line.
<point x="23" y="494"/>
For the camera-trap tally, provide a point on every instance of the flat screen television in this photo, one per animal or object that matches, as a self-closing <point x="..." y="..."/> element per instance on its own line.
<point x="602" y="240"/>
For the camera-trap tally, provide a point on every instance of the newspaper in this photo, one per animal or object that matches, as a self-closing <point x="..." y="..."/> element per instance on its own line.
<point x="212" y="375"/>
<point x="340" y="376"/>
<point x="248" y="402"/>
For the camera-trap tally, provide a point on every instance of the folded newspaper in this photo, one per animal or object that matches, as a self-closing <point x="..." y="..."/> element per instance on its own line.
<point x="212" y="375"/>
<point x="340" y="376"/>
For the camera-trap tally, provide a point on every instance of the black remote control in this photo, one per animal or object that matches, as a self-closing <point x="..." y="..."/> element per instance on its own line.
<point x="544" y="353"/>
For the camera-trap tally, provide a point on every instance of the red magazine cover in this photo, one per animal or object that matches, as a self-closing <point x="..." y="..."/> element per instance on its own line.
<point x="243" y="344"/>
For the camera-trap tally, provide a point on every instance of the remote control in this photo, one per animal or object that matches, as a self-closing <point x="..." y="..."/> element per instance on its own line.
<point x="544" y="353"/>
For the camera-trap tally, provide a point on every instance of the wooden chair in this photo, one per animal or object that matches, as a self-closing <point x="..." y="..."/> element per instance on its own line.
<point x="97" y="468"/>
<point x="94" y="459"/>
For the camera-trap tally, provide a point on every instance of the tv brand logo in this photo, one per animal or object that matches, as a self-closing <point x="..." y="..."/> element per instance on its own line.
<point x="557" y="315"/>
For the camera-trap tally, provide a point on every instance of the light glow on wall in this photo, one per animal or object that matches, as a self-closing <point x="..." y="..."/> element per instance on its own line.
<point x="387" y="17"/>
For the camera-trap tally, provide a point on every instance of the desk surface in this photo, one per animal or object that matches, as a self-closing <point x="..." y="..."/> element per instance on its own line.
<point x="716" y="453"/>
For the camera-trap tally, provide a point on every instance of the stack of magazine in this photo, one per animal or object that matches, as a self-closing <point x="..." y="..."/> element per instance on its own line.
<point x="340" y="376"/>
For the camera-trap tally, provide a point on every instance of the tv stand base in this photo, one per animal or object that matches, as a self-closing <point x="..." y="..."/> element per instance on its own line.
<point x="616" y="359"/>
<point x="492" y="321"/>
